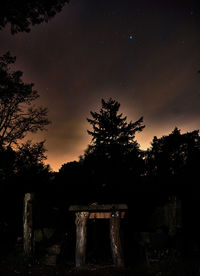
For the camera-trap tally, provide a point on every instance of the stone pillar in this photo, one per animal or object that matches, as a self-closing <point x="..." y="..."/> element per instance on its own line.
<point x="28" y="225"/>
<point x="81" y="231"/>
<point x="116" y="247"/>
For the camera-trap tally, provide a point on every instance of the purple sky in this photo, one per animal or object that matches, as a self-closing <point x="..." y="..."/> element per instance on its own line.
<point x="144" y="54"/>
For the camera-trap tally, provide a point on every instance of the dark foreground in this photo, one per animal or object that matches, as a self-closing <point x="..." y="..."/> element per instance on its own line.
<point x="186" y="267"/>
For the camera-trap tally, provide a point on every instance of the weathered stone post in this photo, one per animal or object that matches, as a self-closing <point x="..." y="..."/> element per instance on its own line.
<point x="28" y="225"/>
<point x="81" y="231"/>
<point x="116" y="247"/>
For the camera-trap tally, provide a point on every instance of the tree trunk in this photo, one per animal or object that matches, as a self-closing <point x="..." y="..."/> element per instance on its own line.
<point x="28" y="224"/>
<point x="81" y="231"/>
<point x="116" y="247"/>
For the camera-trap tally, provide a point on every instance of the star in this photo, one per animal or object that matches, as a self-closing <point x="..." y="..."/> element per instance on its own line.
<point x="131" y="36"/>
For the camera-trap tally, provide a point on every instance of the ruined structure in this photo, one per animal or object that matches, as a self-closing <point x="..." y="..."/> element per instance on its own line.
<point x="113" y="212"/>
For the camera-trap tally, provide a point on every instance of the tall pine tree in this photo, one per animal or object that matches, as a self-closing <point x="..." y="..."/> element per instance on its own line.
<point x="111" y="130"/>
<point x="113" y="156"/>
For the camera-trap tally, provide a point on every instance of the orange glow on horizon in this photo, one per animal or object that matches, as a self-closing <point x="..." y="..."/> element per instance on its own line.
<point x="56" y="162"/>
<point x="144" y="139"/>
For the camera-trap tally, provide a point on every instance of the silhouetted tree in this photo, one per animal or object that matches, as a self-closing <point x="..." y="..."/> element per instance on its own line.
<point x="70" y="181"/>
<point x="21" y="165"/>
<point x="175" y="157"/>
<point x="111" y="131"/>
<point x="24" y="13"/>
<point x="7" y="164"/>
<point x="29" y="154"/>
<point x="113" y="152"/>
<point x="30" y="168"/>
<point x="21" y="170"/>
<point x="17" y="114"/>
<point x="175" y="165"/>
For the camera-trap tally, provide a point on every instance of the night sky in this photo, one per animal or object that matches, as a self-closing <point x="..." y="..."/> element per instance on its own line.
<point x="144" y="54"/>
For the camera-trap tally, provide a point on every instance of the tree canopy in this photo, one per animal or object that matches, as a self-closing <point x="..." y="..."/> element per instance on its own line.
<point x="111" y="130"/>
<point x="172" y="154"/>
<point x="172" y="161"/>
<point x="18" y="116"/>
<point x="111" y="156"/>
<point x="24" y="13"/>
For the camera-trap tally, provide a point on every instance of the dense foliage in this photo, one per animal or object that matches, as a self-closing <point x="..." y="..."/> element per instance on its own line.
<point x="24" y="13"/>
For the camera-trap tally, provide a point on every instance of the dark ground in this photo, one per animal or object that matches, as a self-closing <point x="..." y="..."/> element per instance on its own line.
<point x="184" y="267"/>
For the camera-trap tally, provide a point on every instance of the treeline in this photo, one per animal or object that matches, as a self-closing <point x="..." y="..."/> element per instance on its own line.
<point x="112" y="169"/>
